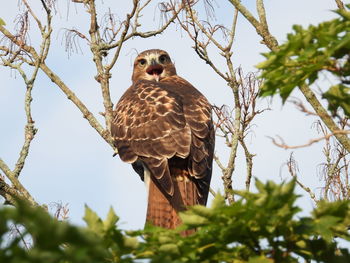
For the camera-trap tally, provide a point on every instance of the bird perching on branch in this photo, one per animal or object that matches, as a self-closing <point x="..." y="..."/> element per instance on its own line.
<point x="163" y="126"/>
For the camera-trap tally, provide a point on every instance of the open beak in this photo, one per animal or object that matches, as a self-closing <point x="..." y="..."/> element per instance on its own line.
<point x="155" y="70"/>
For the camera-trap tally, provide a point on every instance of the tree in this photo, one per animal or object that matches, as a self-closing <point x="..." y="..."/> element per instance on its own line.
<point x="258" y="227"/>
<point x="296" y="64"/>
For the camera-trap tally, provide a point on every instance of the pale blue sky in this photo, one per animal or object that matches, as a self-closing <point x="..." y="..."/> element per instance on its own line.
<point x="70" y="163"/>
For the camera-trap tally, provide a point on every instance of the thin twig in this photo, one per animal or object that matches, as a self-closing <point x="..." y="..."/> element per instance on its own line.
<point x="283" y="145"/>
<point x="249" y="164"/>
<point x="103" y="76"/>
<point x="19" y="233"/>
<point x="262" y="14"/>
<point x="292" y="169"/>
<point x="268" y="39"/>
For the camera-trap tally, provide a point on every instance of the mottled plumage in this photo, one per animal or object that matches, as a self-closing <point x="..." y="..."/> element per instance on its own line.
<point x="163" y="127"/>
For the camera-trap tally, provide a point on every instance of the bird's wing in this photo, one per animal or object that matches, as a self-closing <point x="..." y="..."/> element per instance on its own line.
<point x="198" y="115"/>
<point x="150" y="126"/>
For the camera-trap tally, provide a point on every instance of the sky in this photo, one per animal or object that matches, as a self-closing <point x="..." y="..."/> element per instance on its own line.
<point x="69" y="162"/>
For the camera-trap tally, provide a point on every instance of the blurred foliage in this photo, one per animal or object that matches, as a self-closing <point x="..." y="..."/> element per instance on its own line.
<point x="259" y="227"/>
<point x="308" y="52"/>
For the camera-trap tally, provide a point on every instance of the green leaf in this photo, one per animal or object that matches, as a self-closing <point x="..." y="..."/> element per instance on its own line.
<point x="267" y="63"/>
<point x="338" y="96"/>
<point x="93" y="221"/>
<point x="202" y="211"/>
<point x="111" y="220"/>
<point x="191" y="219"/>
<point x="2" y="22"/>
<point x="259" y="185"/>
<point x="288" y="188"/>
<point x="229" y="233"/>
<point x="324" y="227"/>
<point x="260" y="259"/>
<point x="165" y="239"/>
<point x="169" y="248"/>
<point x="131" y="242"/>
<point x="219" y="201"/>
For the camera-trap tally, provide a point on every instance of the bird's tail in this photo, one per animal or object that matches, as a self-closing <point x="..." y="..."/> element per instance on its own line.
<point x="163" y="209"/>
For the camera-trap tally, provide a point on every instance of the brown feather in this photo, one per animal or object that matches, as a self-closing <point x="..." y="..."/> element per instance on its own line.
<point x="162" y="123"/>
<point x="163" y="210"/>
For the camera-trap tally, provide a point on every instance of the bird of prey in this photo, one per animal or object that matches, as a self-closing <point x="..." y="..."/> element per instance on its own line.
<point x="163" y="126"/>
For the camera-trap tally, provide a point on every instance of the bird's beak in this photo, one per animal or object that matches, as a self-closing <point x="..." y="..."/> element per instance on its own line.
<point x="155" y="69"/>
<point x="154" y="62"/>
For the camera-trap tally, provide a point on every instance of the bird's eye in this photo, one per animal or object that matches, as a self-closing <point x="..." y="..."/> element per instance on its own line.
<point x="142" y="62"/>
<point x="163" y="58"/>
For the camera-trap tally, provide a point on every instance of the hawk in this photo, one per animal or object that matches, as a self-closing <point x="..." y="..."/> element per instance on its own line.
<point x="163" y="126"/>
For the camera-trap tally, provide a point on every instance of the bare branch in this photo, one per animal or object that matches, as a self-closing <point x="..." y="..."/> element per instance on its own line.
<point x="22" y="191"/>
<point x="249" y="164"/>
<point x="30" y="130"/>
<point x="47" y="6"/>
<point x="262" y="30"/>
<point x="262" y="14"/>
<point x="33" y="15"/>
<point x="11" y="56"/>
<point x="301" y="106"/>
<point x="235" y="124"/>
<point x="7" y="192"/>
<point x="19" y="42"/>
<point x="61" y="211"/>
<point x="134" y="33"/>
<point x="124" y="33"/>
<point x="19" y="233"/>
<point x="38" y="61"/>
<point x="212" y="191"/>
<point x="111" y="27"/>
<point x="292" y="169"/>
<point x="233" y="29"/>
<point x="340" y="4"/>
<point x="218" y="162"/>
<point x="283" y="145"/>
<point x="71" y="38"/>
<point x="335" y="171"/>
<point x="326" y="118"/>
<point x="80" y="105"/>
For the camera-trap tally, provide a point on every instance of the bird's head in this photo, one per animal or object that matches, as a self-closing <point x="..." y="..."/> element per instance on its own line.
<point x="153" y="64"/>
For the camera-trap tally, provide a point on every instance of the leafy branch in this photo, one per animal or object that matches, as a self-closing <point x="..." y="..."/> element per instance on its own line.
<point x="259" y="227"/>
<point x="298" y="62"/>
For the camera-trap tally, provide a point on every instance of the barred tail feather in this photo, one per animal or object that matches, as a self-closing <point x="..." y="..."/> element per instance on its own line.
<point x="159" y="211"/>
<point x="163" y="209"/>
